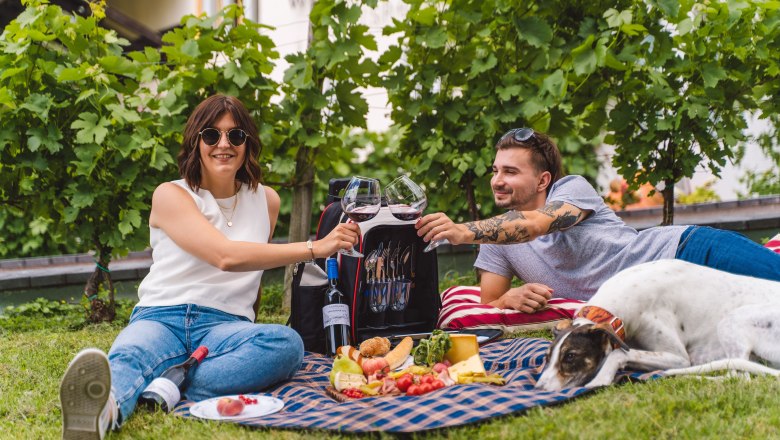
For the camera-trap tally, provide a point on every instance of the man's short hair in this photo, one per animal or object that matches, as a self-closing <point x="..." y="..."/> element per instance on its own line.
<point x="545" y="155"/>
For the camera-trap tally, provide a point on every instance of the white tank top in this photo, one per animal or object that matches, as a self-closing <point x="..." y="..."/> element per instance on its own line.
<point x="177" y="277"/>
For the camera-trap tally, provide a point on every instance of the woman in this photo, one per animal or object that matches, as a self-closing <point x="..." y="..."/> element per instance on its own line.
<point x="210" y="235"/>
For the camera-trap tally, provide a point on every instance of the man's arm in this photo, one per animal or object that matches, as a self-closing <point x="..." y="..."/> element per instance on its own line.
<point x="528" y="298"/>
<point x="510" y="227"/>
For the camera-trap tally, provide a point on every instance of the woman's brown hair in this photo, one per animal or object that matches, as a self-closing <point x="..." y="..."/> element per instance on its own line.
<point x="205" y="115"/>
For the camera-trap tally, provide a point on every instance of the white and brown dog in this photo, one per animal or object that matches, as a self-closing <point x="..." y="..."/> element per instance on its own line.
<point x="669" y="315"/>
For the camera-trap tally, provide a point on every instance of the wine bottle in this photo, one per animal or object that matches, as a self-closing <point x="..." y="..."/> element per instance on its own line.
<point x="335" y="312"/>
<point x="165" y="391"/>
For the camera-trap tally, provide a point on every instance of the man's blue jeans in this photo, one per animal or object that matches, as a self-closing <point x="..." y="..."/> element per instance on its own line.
<point x="243" y="357"/>
<point x="729" y="252"/>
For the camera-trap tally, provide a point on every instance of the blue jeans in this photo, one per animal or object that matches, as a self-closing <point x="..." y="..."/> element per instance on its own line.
<point x="729" y="252"/>
<point x="243" y="357"/>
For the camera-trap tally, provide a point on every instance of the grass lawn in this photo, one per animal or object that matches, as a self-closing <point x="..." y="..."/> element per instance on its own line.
<point x="34" y="352"/>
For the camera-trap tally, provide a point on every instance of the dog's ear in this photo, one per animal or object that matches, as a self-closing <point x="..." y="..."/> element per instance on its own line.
<point x="611" y="335"/>
<point x="561" y="326"/>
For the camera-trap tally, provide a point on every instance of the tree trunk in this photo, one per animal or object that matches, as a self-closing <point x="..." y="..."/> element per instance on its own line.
<point x="99" y="309"/>
<point x="300" y="217"/>
<point x="668" y="193"/>
<point x="467" y="183"/>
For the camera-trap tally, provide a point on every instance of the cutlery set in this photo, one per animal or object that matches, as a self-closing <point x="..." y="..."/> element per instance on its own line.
<point x="388" y="276"/>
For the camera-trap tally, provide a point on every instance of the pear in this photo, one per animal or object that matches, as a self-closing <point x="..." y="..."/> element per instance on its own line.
<point x="343" y="364"/>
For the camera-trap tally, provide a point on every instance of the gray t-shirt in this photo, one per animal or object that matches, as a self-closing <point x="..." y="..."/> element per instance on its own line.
<point x="575" y="262"/>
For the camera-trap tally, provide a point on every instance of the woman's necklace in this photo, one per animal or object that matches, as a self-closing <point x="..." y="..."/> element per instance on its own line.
<point x="232" y="210"/>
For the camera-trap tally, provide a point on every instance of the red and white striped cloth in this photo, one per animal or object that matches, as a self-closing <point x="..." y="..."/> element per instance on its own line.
<point x="774" y="243"/>
<point x="461" y="308"/>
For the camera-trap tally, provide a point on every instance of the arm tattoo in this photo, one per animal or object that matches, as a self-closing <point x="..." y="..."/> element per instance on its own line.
<point x="550" y="208"/>
<point x="499" y="229"/>
<point x="560" y="221"/>
<point x="564" y="221"/>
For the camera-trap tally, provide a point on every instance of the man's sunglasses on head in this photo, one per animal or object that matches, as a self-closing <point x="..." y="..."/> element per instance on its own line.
<point x="521" y="135"/>
<point x="211" y="136"/>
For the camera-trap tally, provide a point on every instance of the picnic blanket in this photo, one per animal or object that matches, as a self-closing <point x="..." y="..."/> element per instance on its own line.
<point x="307" y="406"/>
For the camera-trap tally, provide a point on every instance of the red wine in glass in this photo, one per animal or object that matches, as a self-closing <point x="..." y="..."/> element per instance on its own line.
<point x="361" y="214"/>
<point x="361" y="202"/>
<point x="406" y="212"/>
<point x="407" y="201"/>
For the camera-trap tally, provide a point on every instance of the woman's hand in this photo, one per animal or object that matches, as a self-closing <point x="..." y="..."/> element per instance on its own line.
<point x="343" y="236"/>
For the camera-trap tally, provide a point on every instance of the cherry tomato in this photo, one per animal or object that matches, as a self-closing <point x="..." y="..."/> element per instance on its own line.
<point x="427" y="378"/>
<point x="413" y="390"/>
<point x="404" y="382"/>
<point x="426" y="388"/>
<point x="437" y="384"/>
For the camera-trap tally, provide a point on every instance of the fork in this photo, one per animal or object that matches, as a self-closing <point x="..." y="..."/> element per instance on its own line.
<point x="370" y="264"/>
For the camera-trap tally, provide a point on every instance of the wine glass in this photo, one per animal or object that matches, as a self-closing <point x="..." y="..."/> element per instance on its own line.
<point x="407" y="201"/>
<point x="362" y="200"/>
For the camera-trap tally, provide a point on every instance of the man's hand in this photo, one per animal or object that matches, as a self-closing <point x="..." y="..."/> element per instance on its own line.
<point x="438" y="226"/>
<point x="528" y="298"/>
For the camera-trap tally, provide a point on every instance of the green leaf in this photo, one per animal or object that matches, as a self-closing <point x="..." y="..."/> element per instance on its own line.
<point x="481" y="65"/>
<point x="616" y="19"/>
<point x="39" y="105"/>
<point x="11" y="72"/>
<point x="86" y="94"/>
<point x="352" y="105"/>
<point x="123" y="114"/>
<point x="684" y="26"/>
<point x="533" y="30"/>
<point x="118" y="65"/>
<point x="712" y="73"/>
<point x="72" y="74"/>
<point x="555" y="84"/>
<point x="425" y="16"/>
<point x="47" y="136"/>
<point x="435" y="38"/>
<point x="239" y="76"/>
<point x="190" y="48"/>
<point x="129" y="220"/>
<point x="81" y="199"/>
<point x="92" y="128"/>
<point x="671" y="8"/>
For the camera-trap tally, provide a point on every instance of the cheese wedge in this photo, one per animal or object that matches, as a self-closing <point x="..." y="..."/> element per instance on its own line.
<point x="464" y="346"/>
<point x="342" y="381"/>
<point x="472" y="366"/>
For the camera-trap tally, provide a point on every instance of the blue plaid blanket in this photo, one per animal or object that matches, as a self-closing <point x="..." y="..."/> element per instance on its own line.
<point x="307" y="406"/>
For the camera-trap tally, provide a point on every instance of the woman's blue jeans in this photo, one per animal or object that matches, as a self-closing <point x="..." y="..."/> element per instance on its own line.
<point x="729" y="252"/>
<point x="243" y="357"/>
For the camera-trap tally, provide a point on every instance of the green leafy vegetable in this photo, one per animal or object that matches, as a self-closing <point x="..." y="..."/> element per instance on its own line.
<point x="430" y="351"/>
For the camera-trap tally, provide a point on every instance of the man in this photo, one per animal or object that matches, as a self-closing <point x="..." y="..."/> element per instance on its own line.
<point x="559" y="236"/>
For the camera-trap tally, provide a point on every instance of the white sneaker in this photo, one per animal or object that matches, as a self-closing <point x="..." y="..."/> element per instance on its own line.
<point x="88" y="406"/>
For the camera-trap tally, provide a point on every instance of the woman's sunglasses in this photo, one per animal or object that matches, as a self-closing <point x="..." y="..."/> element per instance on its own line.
<point x="211" y="136"/>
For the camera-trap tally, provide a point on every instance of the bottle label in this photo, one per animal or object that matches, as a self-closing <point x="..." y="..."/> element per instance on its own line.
<point x="335" y="314"/>
<point x="165" y="389"/>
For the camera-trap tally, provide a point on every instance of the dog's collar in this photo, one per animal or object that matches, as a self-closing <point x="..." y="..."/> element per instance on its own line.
<point x="598" y="315"/>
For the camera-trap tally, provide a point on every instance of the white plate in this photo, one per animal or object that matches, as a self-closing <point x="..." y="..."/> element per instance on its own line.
<point x="207" y="409"/>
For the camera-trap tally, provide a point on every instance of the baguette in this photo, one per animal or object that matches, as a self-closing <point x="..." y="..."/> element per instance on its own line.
<point x="398" y="355"/>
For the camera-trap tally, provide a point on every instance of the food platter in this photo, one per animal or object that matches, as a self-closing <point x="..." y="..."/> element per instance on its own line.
<point x="265" y="405"/>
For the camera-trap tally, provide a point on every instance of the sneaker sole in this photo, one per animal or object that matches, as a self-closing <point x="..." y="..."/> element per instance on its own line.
<point x="84" y="391"/>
